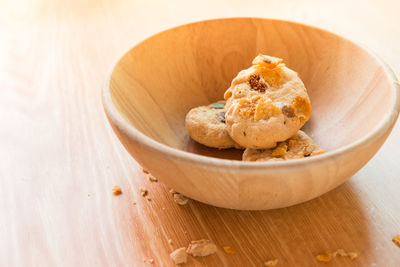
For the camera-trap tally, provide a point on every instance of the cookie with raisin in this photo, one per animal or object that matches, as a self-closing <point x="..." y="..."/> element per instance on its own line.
<point x="206" y="125"/>
<point x="266" y="103"/>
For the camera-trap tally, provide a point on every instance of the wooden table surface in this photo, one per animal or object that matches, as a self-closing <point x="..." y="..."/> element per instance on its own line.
<point x="59" y="157"/>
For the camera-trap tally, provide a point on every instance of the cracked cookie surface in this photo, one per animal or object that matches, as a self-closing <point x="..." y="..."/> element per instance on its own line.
<point x="266" y="103"/>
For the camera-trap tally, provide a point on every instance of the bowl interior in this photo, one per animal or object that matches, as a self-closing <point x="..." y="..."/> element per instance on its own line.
<point x="158" y="81"/>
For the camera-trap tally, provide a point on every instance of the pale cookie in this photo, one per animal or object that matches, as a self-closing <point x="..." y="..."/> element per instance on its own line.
<point x="206" y="125"/>
<point x="298" y="146"/>
<point x="266" y="103"/>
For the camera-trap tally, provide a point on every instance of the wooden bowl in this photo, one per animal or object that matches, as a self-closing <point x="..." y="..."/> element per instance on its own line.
<point x="354" y="97"/>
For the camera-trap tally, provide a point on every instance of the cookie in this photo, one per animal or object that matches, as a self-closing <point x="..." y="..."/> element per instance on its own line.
<point x="206" y="125"/>
<point x="298" y="146"/>
<point x="266" y="103"/>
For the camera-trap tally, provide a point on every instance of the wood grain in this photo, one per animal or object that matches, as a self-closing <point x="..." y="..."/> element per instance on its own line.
<point x="59" y="159"/>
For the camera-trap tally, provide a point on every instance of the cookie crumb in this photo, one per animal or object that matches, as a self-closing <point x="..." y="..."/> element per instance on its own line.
<point x="179" y="255"/>
<point x="117" y="190"/>
<point x="180" y="199"/>
<point x="172" y="191"/>
<point x="396" y="240"/>
<point x="339" y="252"/>
<point x="170" y="241"/>
<point x="152" y="178"/>
<point x="201" y="248"/>
<point x="133" y="202"/>
<point x="88" y="195"/>
<point x="352" y="255"/>
<point x="271" y="262"/>
<point x="143" y="192"/>
<point x="145" y="171"/>
<point x="151" y="261"/>
<point x="148" y="198"/>
<point x="327" y="257"/>
<point x="229" y="250"/>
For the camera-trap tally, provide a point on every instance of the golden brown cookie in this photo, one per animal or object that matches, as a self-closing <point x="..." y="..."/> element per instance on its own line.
<point x="206" y="125"/>
<point x="266" y="103"/>
<point x="298" y="146"/>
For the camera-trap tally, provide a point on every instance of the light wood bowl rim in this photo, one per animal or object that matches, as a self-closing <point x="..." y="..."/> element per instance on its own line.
<point x="122" y="124"/>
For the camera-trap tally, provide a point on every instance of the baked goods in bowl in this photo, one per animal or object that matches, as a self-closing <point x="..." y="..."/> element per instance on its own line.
<point x="266" y="103"/>
<point x="206" y="125"/>
<point x="354" y="97"/>
<point x="298" y="146"/>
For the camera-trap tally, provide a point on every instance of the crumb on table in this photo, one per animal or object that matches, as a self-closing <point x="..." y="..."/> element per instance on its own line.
<point x="396" y="240"/>
<point x="179" y="255"/>
<point x="116" y="190"/>
<point x="229" y="250"/>
<point x="339" y="252"/>
<point x="352" y="255"/>
<point x="152" y="178"/>
<point x="326" y="257"/>
<point x="180" y="199"/>
<point x="172" y="191"/>
<point x="143" y="192"/>
<point x="271" y="262"/>
<point x="201" y="248"/>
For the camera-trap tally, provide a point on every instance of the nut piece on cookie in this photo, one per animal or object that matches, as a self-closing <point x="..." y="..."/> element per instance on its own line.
<point x="298" y="146"/>
<point x="206" y="125"/>
<point x="266" y="103"/>
<point x="201" y="248"/>
<point x="179" y="255"/>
